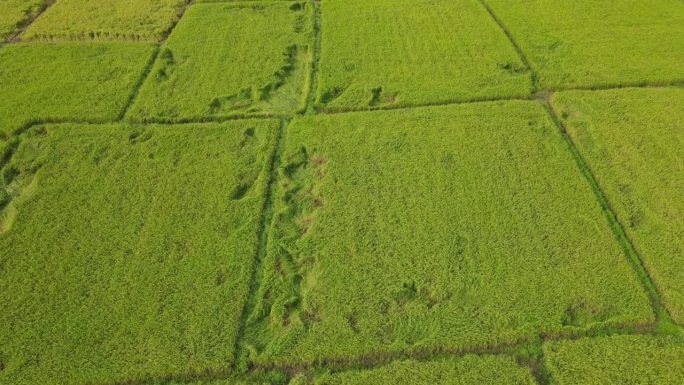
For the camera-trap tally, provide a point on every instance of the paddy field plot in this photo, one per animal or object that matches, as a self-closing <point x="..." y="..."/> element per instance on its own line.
<point x="434" y="228"/>
<point x="589" y="43"/>
<point x="105" y="20"/>
<point x="230" y="59"/>
<point x="399" y="53"/>
<point x="13" y="13"/>
<point x="467" y="370"/>
<point x="127" y="249"/>
<point x="67" y="81"/>
<point x="628" y="359"/>
<point x="633" y="141"/>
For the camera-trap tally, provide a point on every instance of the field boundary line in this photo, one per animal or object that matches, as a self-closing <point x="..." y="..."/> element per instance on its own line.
<point x="138" y="85"/>
<point x="538" y="94"/>
<point x="533" y="74"/>
<point x="315" y="59"/>
<point x="24" y="25"/>
<point x="662" y="315"/>
<point x="266" y="219"/>
<point x="380" y="359"/>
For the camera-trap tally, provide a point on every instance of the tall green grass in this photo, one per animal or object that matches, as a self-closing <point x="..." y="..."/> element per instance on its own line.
<point x="398" y="53"/>
<point x="67" y="81"/>
<point x="127" y="250"/>
<point x="230" y="59"/>
<point x="598" y="43"/>
<point x="434" y="229"/>
<point x="105" y="20"/>
<point x="634" y="143"/>
<point x="617" y="360"/>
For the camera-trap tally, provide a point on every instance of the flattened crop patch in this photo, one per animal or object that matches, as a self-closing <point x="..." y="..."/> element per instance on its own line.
<point x="434" y="228"/>
<point x="378" y="54"/>
<point x="145" y="20"/>
<point x="67" y="81"/>
<point x="467" y="370"/>
<point x="589" y="43"/>
<point x="126" y="257"/>
<point x="633" y="141"/>
<point x="14" y="13"/>
<point x="230" y="59"/>
<point x="628" y="359"/>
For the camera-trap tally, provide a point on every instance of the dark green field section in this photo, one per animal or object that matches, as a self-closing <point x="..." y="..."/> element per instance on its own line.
<point x="598" y="43"/>
<point x="67" y="81"/>
<point x="13" y="13"/>
<point x="105" y="20"/>
<point x="433" y="229"/>
<point x="398" y="53"/>
<point x="127" y="250"/>
<point x="230" y="59"/>
<point x="617" y="360"/>
<point x="468" y="370"/>
<point x="633" y="140"/>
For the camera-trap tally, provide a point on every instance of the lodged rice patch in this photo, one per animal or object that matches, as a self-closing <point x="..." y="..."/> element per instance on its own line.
<point x="67" y="81"/>
<point x="604" y="43"/>
<point x="467" y="370"/>
<point x="105" y="20"/>
<point x="633" y="142"/>
<point x="230" y="59"/>
<point x="127" y="250"/>
<point x="377" y="54"/>
<point x="14" y="13"/>
<point x="434" y="228"/>
<point x="628" y="359"/>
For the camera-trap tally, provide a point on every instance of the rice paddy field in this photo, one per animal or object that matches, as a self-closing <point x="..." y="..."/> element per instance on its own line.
<point x="341" y="192"/>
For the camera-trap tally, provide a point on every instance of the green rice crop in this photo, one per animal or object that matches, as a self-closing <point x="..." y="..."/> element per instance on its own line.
<point x="106" y="20"/>
<point x="617" y="360"/>
<point x="404" y="52"/>
<point x="598" y="43"/>
<point x="434" y="228"/>
<point x="75" y="81"/>
<point x="127" y="250"/>
<point x="468" y="370"/>
<point x="633" y="141"/>
<point x="13" y="13"/>
<point x="228" y="59"/>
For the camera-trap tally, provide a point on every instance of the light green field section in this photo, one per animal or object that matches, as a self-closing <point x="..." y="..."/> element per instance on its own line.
<point x="228" y="59"/>
<point x="398" y="53"/>
<point x="617" y="360"/>
<point x="416" y="230"/>
<point x="598" y="43"/>
<point x="13" y="13"/>
<point x="633" y="140"/>
<point x="105" y="20"/>
<point x="468" y="370"/>
<point x="126" y="251"/>
<point x="67" y="81"/>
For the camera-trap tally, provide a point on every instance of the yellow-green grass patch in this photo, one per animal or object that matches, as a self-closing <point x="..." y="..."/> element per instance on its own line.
<point x="126" y="250"/>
